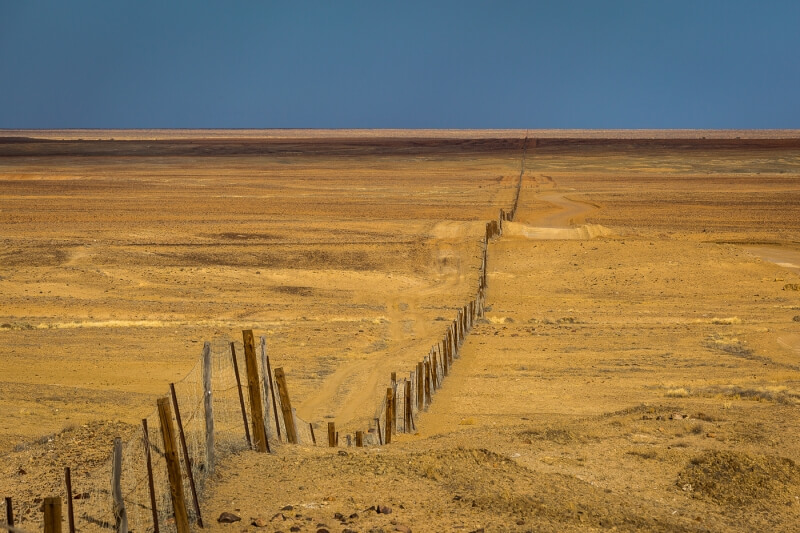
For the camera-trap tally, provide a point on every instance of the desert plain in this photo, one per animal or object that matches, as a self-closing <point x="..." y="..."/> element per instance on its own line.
<point x="637" y="367"/>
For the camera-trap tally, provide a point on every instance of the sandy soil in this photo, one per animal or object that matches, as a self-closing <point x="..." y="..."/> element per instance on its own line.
<point x="637" y="368"/>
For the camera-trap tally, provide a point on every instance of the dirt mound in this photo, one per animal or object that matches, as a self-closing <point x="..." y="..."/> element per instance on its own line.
<point x="583" y="232"/>
<point x="739" y="479"/>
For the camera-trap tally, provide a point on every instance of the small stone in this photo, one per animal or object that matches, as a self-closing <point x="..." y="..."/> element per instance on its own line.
<point x="294" y="528"/>
<point x="384" y="509"/>
<point x="343" y="453"/>
<point x="348" y="530"/>
<point x="228" y="518"/>
<point x="323" y="530"/>
<point x="402" y="528"/>
<point x="338" y="516"/>
<point x="376" y="530"/>
<point x="287" y="508"/>
<point x="353" y="516"/>
<point x="258" y="522"/>
<point x="278" y="516"/>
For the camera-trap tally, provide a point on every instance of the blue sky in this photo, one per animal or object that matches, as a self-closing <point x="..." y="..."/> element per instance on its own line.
<point x="339" y="64"/>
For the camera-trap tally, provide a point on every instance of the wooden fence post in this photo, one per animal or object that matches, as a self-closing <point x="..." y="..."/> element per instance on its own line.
<point x="9" y="512"/>
<point x="241" y="396"/>
<point x="389" y="415"/>
<point x="420" y="387"/>
<point x="274" y="402"/>
<point x="265" y="379"/>
<point x="380" y="435"/>
<point x="427" y="382"/>
<point x="359" y="439"/>
<point x="208" y="408"/>
<point x="150" y="484"/>
<point x="185" y="450"/>
<point x="407" y="405"/>
<point x="286" y="407"/>
<point x="70" y="510"/>
<point x="120" y="516"/>
<point x="313" y="437"/>
<point x="331" y="434"/>
<point x="435" y="370"/>
<point x="173" y="467"/>
<point x="256" y="407"/>
<point x="52" y="515"/>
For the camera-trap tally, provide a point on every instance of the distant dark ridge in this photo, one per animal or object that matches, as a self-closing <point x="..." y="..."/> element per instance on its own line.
<point x="278" y="147"/>
<point x="11" y="140"/>
<point x="352" y="147"/>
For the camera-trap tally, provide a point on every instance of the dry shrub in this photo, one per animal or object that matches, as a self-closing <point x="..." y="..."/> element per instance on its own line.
<point x="557" y="435"/>
<point x="726" y="321"/>
<point x="730" y="478"/>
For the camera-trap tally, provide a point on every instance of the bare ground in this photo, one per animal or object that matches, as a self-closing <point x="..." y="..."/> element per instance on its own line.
<point x="641" y="375"/>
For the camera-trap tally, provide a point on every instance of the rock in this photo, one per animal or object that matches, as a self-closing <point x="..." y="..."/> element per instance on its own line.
<point x="402" y="528"/>
<point x="294" y="528"/>
<point x="338" y="516"/>
<point x="353" y="516"/>
<point x="348" y="530"/>
<point x="258" y="522"/>
<point x="323" y="530"/>
<point x="383" y="509"/>
<point x="287" y="508"/>
<point x="343" y="453"/>
<point x="228" y="518"/>
<point x="278" y="516"/>
<point x="376" y="530"/>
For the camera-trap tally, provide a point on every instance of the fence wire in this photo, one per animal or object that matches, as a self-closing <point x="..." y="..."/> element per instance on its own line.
<point x="411" y="393"/>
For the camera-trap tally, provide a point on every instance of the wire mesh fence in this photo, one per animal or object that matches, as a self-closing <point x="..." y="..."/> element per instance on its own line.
<point x="212" y="407"/>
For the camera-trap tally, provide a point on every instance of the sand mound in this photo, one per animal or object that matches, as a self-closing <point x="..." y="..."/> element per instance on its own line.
<point x="584" y="232"/>
<point x="736" y="479"/>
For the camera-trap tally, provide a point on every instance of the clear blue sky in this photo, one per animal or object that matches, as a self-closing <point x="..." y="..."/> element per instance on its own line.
<point x="405" y="64"/>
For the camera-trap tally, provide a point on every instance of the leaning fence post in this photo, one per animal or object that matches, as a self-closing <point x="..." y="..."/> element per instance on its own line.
<point x="241" y="396"/>
<point x="380" y="435"/>
<point x="185" y="450"/>
<point x="274" y="403"/>
<point x="52" y="514"/>
<point x="150" y="484"/>
<point x="265" y="379"/>
<point x="208" y="407"/>
<point x="286" y="406"/>
<point x="173" y="466"/>
<point x="256" y="407"/>
<point x="120" y="516"/>
<point x="70" y="510"/>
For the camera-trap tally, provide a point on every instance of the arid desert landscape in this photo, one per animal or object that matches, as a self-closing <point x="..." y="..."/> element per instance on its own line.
<point x="636" y="366"/>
